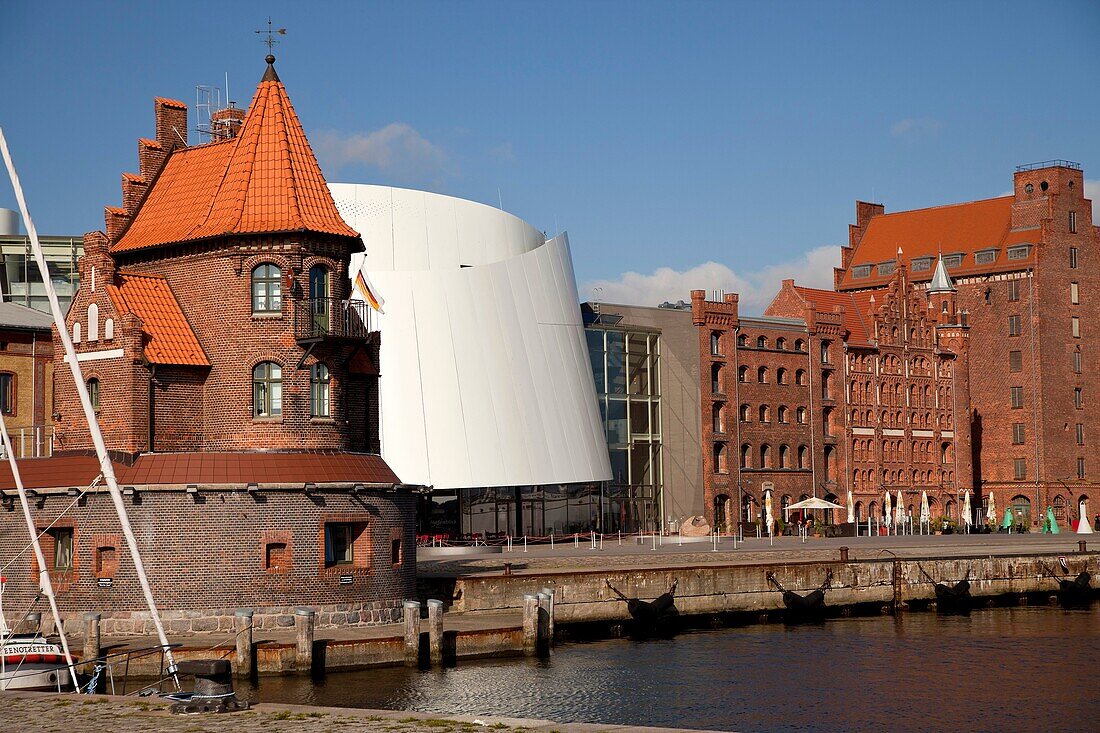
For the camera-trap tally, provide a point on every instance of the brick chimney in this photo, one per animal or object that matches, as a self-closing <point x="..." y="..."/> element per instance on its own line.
<point x="226" y="123"/>
<point x="171" y="118"/>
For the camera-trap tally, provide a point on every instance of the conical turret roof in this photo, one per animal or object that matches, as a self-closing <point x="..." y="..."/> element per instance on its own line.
<point x="264" y="180"/>
<point x="941" y="281"/>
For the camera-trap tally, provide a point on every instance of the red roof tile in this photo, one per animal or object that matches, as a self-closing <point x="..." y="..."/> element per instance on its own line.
<point x="169" y="338"/>
<point x="954" y="229"/>
<point x="266" y="179"/>
<point x="857" y="310"/>
<point x="206" y="468"/>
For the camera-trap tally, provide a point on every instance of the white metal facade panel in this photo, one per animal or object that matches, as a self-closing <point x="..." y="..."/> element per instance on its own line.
<point x="485" y="372"/>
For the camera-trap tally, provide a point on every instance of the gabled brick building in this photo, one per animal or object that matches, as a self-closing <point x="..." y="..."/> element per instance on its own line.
<point x="965" y="340"/>
<point x="235" y="382"/>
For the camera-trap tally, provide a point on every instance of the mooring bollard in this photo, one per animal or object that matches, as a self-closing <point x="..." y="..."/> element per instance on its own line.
<point x="844" y="554"/>
<point x="243" y="620"/>
<point x="550" y="607"/>
<point x="304" y="623"/>
<point x="412" y="633"/>
<point x="543" y="629"/>
<point x="530" y="624"/>
<point x="213" y="687"/>
<point x="91" y="637"/>
<point x="435" y="631"/>
<point x="507" y="568"/>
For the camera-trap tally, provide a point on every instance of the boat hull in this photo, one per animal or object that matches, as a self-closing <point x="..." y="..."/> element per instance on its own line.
<point x="35" y="678"/>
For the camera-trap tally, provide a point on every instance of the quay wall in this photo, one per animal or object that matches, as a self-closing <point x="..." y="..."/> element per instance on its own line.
<point x="583" y="596"/>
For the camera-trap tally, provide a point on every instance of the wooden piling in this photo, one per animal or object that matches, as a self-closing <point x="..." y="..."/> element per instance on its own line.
<point x="412" y="633"/>
<point x="530" y="624"/>
<point x="304" y="624"/>
<point x="243" y="622"/>
<point x="91" y="638"/>
<point x="435" y="632"/>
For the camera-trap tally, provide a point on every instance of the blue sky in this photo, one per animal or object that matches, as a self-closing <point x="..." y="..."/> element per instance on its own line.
<point x="713" y="145"/>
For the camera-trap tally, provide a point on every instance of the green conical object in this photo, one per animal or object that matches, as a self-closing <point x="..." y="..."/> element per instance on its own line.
<point x="1008" y="522"/>
<point x="1052" y="522"/>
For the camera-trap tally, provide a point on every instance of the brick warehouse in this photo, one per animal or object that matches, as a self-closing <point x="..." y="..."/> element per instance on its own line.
<point x="235" y="382"/>
<point x="962" y="362"/>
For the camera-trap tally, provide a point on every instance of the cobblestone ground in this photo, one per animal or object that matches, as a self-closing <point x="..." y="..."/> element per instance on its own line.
<point x="65" y="714"/>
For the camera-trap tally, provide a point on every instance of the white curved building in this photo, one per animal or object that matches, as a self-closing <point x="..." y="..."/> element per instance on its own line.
<point x="486" y="385"/>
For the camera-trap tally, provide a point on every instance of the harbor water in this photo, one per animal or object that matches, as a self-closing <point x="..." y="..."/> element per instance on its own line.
<point x="1015" y="669"/>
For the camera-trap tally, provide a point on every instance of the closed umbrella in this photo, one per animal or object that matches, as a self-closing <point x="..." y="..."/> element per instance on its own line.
<point x="851" y="508"/>
<point x="925" y="512"/>
<point x="768" y="520"/>
<point x="887" y="509"/>
<point x="966" y="508"/>
<point x="1083" y="524"/>
<point x="991" y="512"/>
<point x="1010" y="518"/>
<point x="899" y="512"/>
<point x="1052" y="523"/>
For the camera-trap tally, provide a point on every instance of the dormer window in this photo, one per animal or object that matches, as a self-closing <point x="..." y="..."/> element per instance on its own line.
<point x="886" y="268"/>
<point x="861" y="271"/>
<point x="921" y="264"/>
<point x="1019" y="252"/>
<point x="950" y="261"/>
<point x="985" y="256"/>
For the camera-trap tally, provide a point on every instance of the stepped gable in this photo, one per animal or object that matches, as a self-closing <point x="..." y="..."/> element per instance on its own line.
<point x="963" y="228"/>
<point x="265" y="179"/>
<point x="856" y="307"/>
<point x="168" y="337"/>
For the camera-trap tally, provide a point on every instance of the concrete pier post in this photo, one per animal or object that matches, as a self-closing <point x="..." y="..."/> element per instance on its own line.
<point x="304" y="623"/>
<point x="530" y="624"/>
<point x="91" y="638"/>
<point x="412" y="633"/>
<point x="435" y="631"/>
<point x="550" y="607"/>
<point x="243" y="622"/>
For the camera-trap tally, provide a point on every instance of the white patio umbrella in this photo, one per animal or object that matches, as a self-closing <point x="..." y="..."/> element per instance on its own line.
<point x="899" y="513"/>
<point x="1083" y="524"/>
<point x="966" y="508"/>
<point x="886" y="509"/>
<point x="991" y="512"/>
<point x="925" y="512"/>
<point x="768" y="519"/>
<point x="851" y="508"/>
<point x="814" y="503"/>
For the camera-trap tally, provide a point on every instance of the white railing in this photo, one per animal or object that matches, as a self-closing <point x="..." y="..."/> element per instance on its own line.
<point x="35" y="441"/>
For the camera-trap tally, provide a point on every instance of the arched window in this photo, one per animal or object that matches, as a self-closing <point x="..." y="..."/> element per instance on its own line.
<point x="742" y="340"/>
<point x="765" y="414"/>
<point x="267" y="389"/>
<point x="7" y="393"/>
<point x="109" y="329"/>
<point x="746" y="456"/>
<point x="765" y="456"/>
<point x="781" y="376"/>
<point x="717" y="415"/>
<point x="800" y="377"/>
<point x="715" y="343"/>
<point x="824" y="352"/>
<point x="762" y="375"/>
<point x="267" y="289"/>
<point x="720" y="458"/>
<point x="783" y="414"/>
<point x="319" y="384"/>
<point x="715" y="378"/>
<point x="781" y="343"/>
<point x="799" y="345"/>
<point x="320" y="305"/>
<point x="743" y="374"/>
<point x="802" y="456"/>
<point x="93" y="392"/>
<point x="800" y="415"/>
<point x="784" y="456"/>
<point x="93" y="322"/>
<point x="761" y="342"/>
<point x="76" y="332"/>
<point x="745" y="413"/>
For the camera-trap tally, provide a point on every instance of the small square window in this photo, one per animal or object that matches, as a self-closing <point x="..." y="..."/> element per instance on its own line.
<point x="345" y="545"/>
<point x="106" y="561"/>
<point x="277" y="557"/>
<point x="62" y="548"/>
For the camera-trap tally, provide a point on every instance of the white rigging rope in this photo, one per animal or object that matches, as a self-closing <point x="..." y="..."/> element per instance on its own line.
<point x="89" y="412"/>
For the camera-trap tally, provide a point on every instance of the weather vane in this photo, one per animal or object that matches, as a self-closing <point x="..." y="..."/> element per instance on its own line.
<point x="271" y="40"/>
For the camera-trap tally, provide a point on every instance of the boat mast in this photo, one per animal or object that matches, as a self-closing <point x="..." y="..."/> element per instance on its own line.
<point x="44" y="581"/>
<point x="89" y="413"/>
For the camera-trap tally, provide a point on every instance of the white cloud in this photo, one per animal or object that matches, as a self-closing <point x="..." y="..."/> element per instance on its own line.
<point x="756" y="288"/>
<point x="912" y="128"/>
<point x="396" y="149"/>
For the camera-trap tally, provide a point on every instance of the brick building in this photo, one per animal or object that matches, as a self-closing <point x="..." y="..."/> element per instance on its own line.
<point x="26" y="379"/>
<point x="958" y="342"/>
<point x="235" y="382"/>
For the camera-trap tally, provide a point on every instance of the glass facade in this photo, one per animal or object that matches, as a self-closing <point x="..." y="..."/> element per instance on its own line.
<point x="21" y="279"/>
<point x="626" y="367"/>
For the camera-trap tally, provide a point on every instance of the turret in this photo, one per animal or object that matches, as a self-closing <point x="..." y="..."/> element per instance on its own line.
<point x="941" y="294"/>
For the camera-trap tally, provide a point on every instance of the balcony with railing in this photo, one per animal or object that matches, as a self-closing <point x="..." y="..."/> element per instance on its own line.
<point x="319" y="319"/>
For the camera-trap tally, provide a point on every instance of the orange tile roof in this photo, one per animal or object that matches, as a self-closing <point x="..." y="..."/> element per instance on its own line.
<point x="169" y="338"/>
<point x="955" y="229"/>
<point x="266" y="179"/>
<point x="857" y="310"/>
